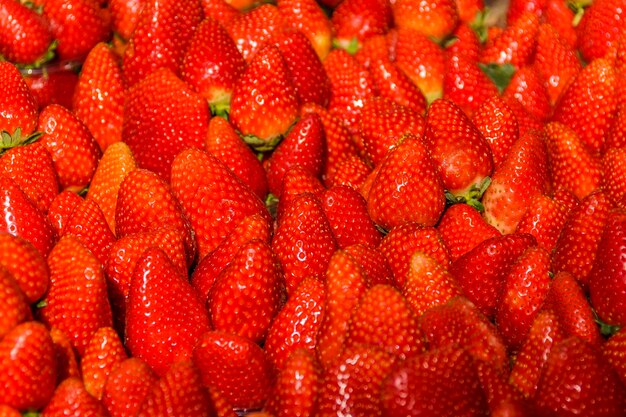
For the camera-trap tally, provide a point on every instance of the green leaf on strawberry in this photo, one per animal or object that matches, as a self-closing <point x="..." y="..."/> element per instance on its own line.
<point x="500" y="74"/>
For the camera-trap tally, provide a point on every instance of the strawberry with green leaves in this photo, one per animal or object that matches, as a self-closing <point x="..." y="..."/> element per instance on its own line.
<point x="18" y="104"/>
<point x="355" y="21"/>
<point x="25" y="36"/>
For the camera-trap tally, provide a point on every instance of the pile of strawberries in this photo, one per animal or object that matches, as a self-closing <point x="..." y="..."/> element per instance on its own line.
<point x="312" y="208"/>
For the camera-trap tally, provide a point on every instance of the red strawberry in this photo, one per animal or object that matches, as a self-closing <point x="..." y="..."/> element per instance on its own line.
<point x="164" y="315"/>
<point x="213" y="198"/>
<point x="15" y="307"/>
<point x="65" y="355"/>
<point x="515" y="44"/>
<point x="7" y="411"/>
<point x="297" y="324"/>
<point x="616" y="136"/>
<point x="212" y="65"/>
<point x="219" y="10"/>
<point x="303" y="241"/>
<point x="235" y="366"/>
<point x="613" y="351"/>
<point x="373" y="263"/>
<point x="560" y="16"/>
<point x="351" y="172"/>
<point x="499" y="126"/>
<point x="103" y="352"/>
<point x="392" y="83"/>
<point x="459" y="150"/>
<point x="164" y="30"/>
<point x="264" y="103"/>
<point x="296" y="181"/>
<point x="61" y="208"/>
<point x="251" y="30"/>
<point x="441" y="382"/>
<point x="544" y="219"/>
<point x="162" y="116"/>
<point x="18" y="104"/>
<point x="468" y="10"/>
<point x="98" y="99"/>
<point x="25" y="34"/>
<point x="600" y="28"/>
<point x="74" y="150"/>
<point x="297" y="386"/>
<point x="55" y="84"/>
<point x="28" y="366"/>
<point x="502" y="397"/>
<point x="308" y="17"/>
<point x="124" y="17"/>
<point x="375" y="48"/>
<point x="407" y="188"/>
<point x="71" y="398"/>
<point x="436" y="18"/>
<point x="613" y="176"/>
<point x="354" y="21"/>
<point x="128" y="384"/>
<point x="527" y="87"/>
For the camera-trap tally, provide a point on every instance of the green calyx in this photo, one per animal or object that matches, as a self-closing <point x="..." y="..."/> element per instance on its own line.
<point x="262" y="145"/>
<point x="352" y="46"/>
<point x="499" y="74"/>
<point x="472" y="197"/>
<point x="15" y="139"/>
<point x="220" y="109"/>
<point x="606" y="329"/>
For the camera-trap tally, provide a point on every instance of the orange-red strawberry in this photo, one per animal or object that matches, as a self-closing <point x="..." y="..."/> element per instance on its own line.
<point x="21" y="218"/>
<point x="304" y="241"/>
<point x="408" y="187"/>
<point x="162" y="116"/>
<point x="15" y="307"/>
<point x="515" y="44"/>
<point x="264" y="102"/>
<point x="354" y="21"/>
<point x="164" y="315"/>
<point x="8" y="411"/>
<point x="71" y="398"/>
<point x="460" y="152"/>
<point x="560" y="16"/>
<point x="179" y="392"/>
<point x="124" y="17"/>
<point x="164" y="30"/>
<point x="390" y="82"/>
<point x="614" y="176"/>
<point x="98" y="99"/>
<point x="74" y="150"/>
<point x="544" y="219"/>
<point x="126" y="387"/>
<point x="61" y="208"/>
<point x="65" y="355"/>
<point x="498" y="124"/>
<point x="527" y="87"/>
<point x="236" y="367"/>
<point x="28" y="365"/>
<point x="600" y="28"/>
<point x="468" y="10"/>
<point x="24" y="34"/>
<point x="308" y="17"/>
<point x="18" y="104"/>
<point x="213" y="198"/>
<point x="103" y="352"/>
<point x="434" y="18"/>
<point x="297" y="324"/>
<point x="212" y="65"/>
<point x="252" y="29"/>
<point x="220" y="11"/>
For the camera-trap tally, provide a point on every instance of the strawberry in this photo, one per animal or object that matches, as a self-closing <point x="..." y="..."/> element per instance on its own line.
<point x="303" y="241"/>
<point x="576" y="248"/>
<point x="126" y="387"/>
<point x="460" y="152"/>
<point x="468" y="10"/>
<point x="613" y="174"/>
<point x="163" y="32"/>
<point x="219" y="10"/>
<point x="297" y="386"/>
<point x="354" y="21"/>
<point x="560" y="16"/>
<point x="21" y="218"/>
<point x="515" y="44"/>
<point x="589" y="103"/>
<point x="74" y="151"/>
<point x="501" y="396"/>
<point x="526" y="121"/>
<point x="162" y="116"/>
<point x="178" y="392"/>
<point x="440" y="382"/>
<point x="407" y="188"/>
<point x="212" y="65"/>
<point x="98" y="99"/>
<point x="392" y="83"/>
<point x="56" y="84"/>
<point x="251" y="30"/>
<point x="296" y="181"/>
<point x="615" y="137"/>
<point x="577" y="380"/>
<point x="482" y="272"/>
<point x="235" y="366"/>
<point x="296" y="326"/>
<point x="436" y="18"/>
<point x="213" y="198"/>
<point x="353" y="386"/>
<point x="61" y="208"/>
<point x="103" y="352"/>
<point x="613" y="351"/>
<point x="351" y="172"/>
<point x="498" y="124"/>
<point x="7" y="411"/>
<point x="375" y="48"/>
<point x="15" y="307"/>
<point x="124" y="17"/>
<point x="76" y="25"/>
<point x="308" y="17"/>
<point x="544" y="220"/>
<point x="374" y="265"/>
<point x="600" y="29"/>
<point x="18" y="104"/>
<point x="522" y="175"/>
<point x="527" y="87"/>
<point x="26" y="36"/>
<point x="606" y="279"/>
<point x="164" y="315"/>
<point x="264" y="102"/>
<point x="28" y="366"/>
<point x="428" y="284"/>
<point x="71" y="398"/>
<point x="518" y="7"/>
<point x="65" y="356"/>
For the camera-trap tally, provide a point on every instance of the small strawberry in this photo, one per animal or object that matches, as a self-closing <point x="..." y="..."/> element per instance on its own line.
<point x="527" y="87"/>
<point x="392" y="83"/>
<point x="297" y="386"/>
<point x="435" y="18"/>
<point x="126" y="387"/>
<point x="103" y="352"/>
<point x="25" y="35"/>
<point x="251" y="30"/>
<point x="164" y="315"/>
<point x="56" y="84"/>
<point x="613" y="176"/>
<point x="18" y="104"/>
<point x="61" y="208"/>
<point x="515" y="44"/>
<point x="502" y="397"/>
<point x="355" y="21"/>
<point x="8" y="411"/>
<point x="219" y="10"/>
<point x="296" y="181"/>
<point x="544" y="220"/>
<point x="351" y="172"/>
<point x="71" y="398"/>
<point x="15" y="307"/>
<point x="308" y="17"/>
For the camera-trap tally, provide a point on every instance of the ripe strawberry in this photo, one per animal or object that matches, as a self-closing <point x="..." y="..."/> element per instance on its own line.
<point x="21" y="218"/>
<point x="351" y="172"/>
<point x="468" y="10"/>
<point x="164" y="315"/>
<point x="407" y="188"/>
<point x="355" y="21"/>
<point x="502" y="398"/>
<point x="124" y="17"/>
<point x="390" y="82"/>
<point x="616" y="135"/>
<point x="297" y="386"/>
<point x="308" y="17"/>
<point x="15" y="307"/>
<point x="264" y="102"/>
<point x="577" y="380"/>
<point x="18" y="104"/>
<point x="544" y="220"/>
<point x="74" y="150"/>
<point x="560" y="16"/>
<point x="613" y="176"/>
<point x="522" y="175"/>
<point x="235" y="366"/>
<point x="25" y="35"/>
<point x="498" y="124"/>
<point x="515" y="44"/>
<point x="28" y="366"/>
<point x="162" y="116"/>
<point x="179" y="392"/>
<point x="65" y="356"/>
<point x="482" y="272"/>
<point x="353" y="386"/>
<point x="7" y="411"/>
<point x="71" y="398"/>
<point x="212" y="65"/>
<point x="296" y="326"/>
<point x="251" y="30"/>
<point x="61" y="208"/>
<point x="296" y="181"/>
<point x="373" y="263"/>
<point x="126" y="387"/>
<point x="526" y="121"/>
<point x="600" y="29"/>
<point x="98" y="99"/>
<point x="219" y="10"/>
<point x="436" y="19"/>
<point x="55" y="84"/>
<point x="440" y="382"/>
<point x="527" y="87"/>
<point x="304" y="241"/>
<point x="103" y="352"/>
<point x="163" y="32"/>
<point x="213" y="198"/>
<point x="613" y="351"/>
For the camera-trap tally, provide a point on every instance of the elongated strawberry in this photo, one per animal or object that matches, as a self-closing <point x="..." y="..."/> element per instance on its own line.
<point x="544" y="219"/>
<point x="219" y="10"/>
<point x="308" y="17"/>
<point x="103" y="352"/>
<point x="29" y="369"/>
<point x="98" y="99"/>
<point x="164" y="316"/>
<point x="71" y="397"/>
<point x="62" y="208"/>
<point x="124" y="17"/>
<point x="252" y="29"/>
<point x="436" y="18"/>
<point x="374" y="265"/>
<point x="297" y="386"/>
<point x="162" y="116"/>
<point x="26" y="36"/>
<point x="128" y="384"/>
<point x="15" y="307"/>
<point x="613" y="174"/>
<point x="20" y="107"/>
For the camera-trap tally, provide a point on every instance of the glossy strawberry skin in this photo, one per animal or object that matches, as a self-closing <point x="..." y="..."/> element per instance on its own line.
<point x="104" y="351"/>
<point x="25" y="34"/>
<point x="19" y="105"/>
<point x="127" y="386"/>
<point x="71" y="397"/>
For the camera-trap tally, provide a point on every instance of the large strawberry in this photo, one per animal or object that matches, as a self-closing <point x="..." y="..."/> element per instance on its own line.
<point x="18" y="104"/>
<point x="24" y="35"/>
<point x="252" y="29"/>
<point x="127" y="386"/>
